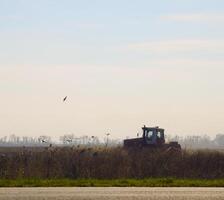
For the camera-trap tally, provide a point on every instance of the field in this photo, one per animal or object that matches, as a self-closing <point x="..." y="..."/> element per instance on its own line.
<point x="72" y="166"/>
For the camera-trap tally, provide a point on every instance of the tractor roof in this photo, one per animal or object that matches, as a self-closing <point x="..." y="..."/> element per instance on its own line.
<point x="152" y="128"/>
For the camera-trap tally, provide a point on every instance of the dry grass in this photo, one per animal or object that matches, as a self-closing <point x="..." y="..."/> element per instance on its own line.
<point x="108" y="163"/>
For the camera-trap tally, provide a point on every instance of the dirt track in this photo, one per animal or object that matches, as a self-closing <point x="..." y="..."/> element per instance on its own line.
<point x="111" y="193"/>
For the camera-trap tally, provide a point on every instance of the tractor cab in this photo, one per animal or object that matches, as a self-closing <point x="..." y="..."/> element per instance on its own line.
<point x="153" y="135"/>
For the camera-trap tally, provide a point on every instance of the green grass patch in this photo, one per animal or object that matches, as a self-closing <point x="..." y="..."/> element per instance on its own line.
<point x="149" y="182"/>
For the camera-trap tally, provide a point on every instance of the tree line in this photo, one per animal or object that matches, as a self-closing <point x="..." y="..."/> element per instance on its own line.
<point x="190" y="142"/>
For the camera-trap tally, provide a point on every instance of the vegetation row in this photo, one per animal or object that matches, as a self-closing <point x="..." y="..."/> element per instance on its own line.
<point x="108" y="163"/>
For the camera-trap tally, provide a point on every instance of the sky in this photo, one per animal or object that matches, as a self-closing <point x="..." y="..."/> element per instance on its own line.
<point x="122" y="64"/>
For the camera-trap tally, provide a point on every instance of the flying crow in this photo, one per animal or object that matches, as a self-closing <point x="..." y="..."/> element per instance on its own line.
<point x="64" y="99"/>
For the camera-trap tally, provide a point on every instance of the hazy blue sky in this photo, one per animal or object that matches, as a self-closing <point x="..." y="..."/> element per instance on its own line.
<point x="122" y="64"/>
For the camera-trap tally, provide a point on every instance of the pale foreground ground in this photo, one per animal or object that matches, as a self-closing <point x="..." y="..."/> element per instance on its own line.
<point x="111" y="193"/>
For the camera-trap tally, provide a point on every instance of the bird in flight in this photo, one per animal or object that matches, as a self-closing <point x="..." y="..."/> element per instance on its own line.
<point x="64" y="99"/>
<point x="69" y="140"/>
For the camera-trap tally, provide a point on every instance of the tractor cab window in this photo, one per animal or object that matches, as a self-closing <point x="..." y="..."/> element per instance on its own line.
<point x="159" y="134"/>
<point x="149" y="135"/>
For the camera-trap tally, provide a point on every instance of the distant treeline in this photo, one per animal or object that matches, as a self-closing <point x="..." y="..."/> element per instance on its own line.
<point x="200" y="142"/>
<point x="189" y="142"/>
<point x="108" y="163"/>
<point x="65" y="140"/>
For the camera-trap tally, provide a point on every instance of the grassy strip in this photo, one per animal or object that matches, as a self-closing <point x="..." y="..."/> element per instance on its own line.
<point x="151" y="182"/>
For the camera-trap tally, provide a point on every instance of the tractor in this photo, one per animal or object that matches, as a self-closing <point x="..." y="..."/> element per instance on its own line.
<point x="152" y="137"/>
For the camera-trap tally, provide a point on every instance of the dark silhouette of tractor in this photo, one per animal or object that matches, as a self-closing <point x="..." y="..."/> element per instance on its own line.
<point x="152" y="137"/>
